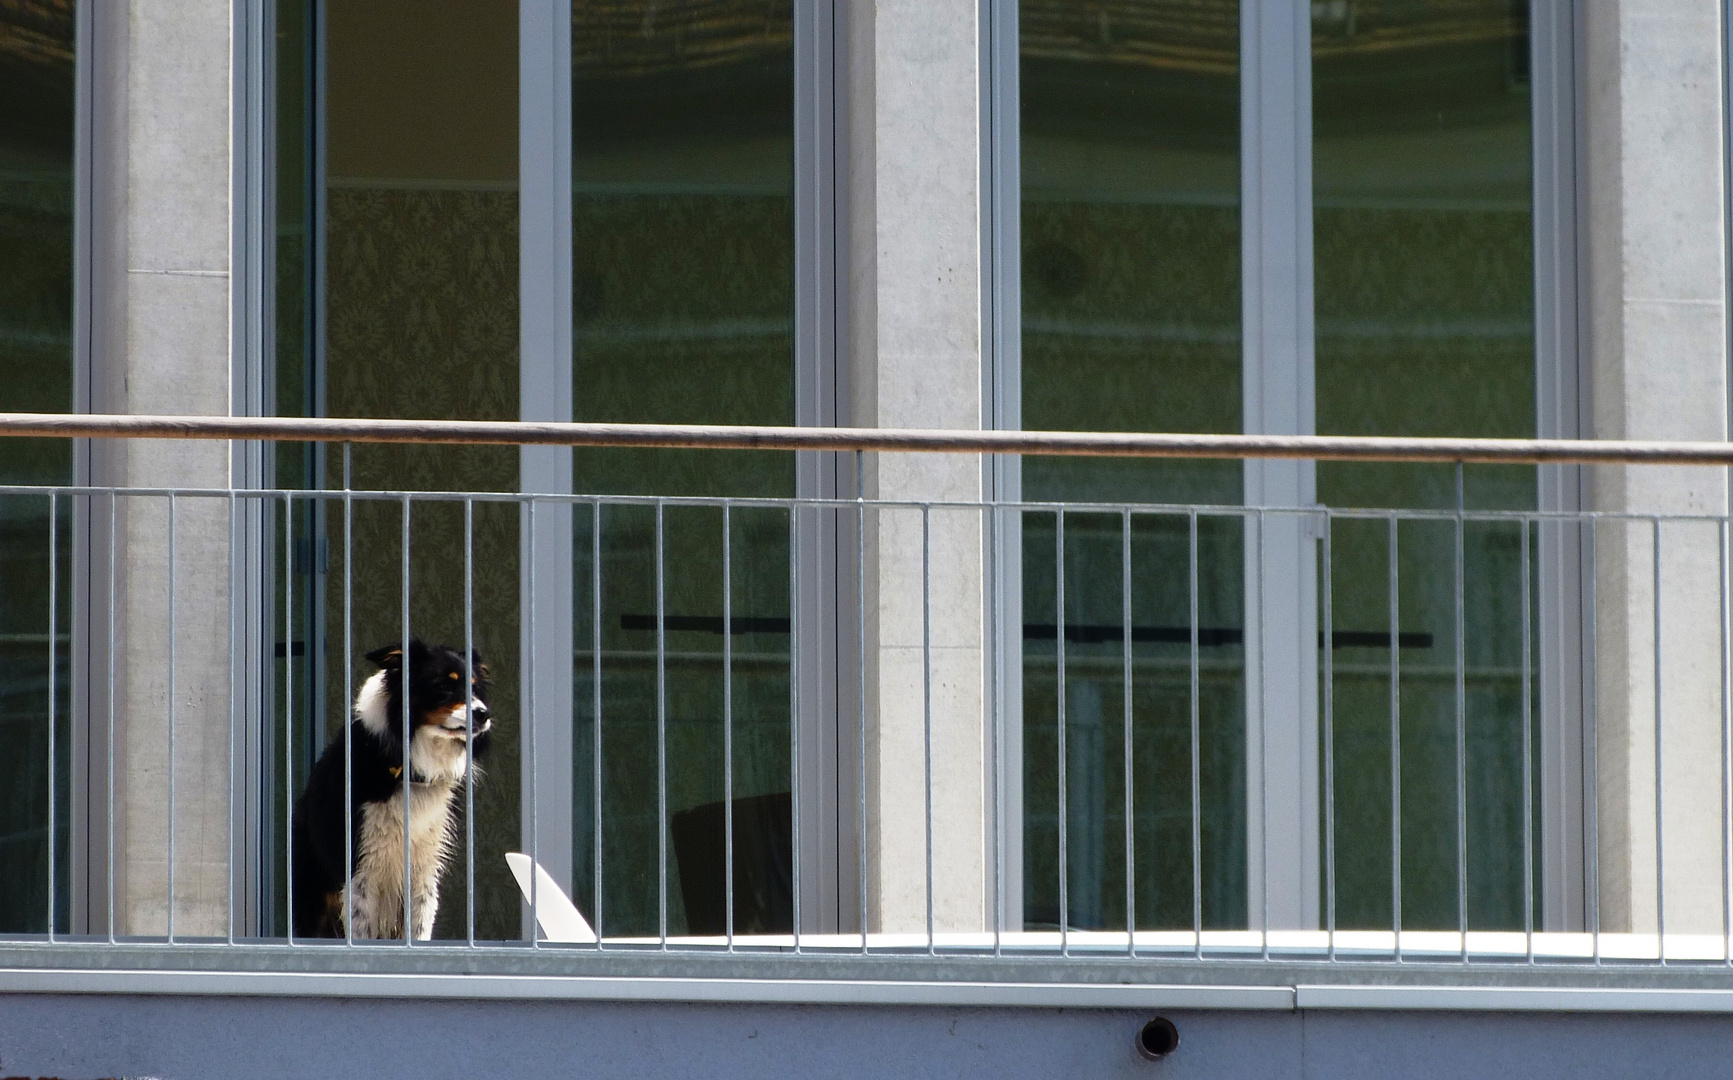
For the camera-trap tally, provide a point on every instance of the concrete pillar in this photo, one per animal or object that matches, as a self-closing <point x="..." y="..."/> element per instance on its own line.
<point x="1658" y="371"/>
<point x="916" y="251"/>
<point x="162" y="281"/>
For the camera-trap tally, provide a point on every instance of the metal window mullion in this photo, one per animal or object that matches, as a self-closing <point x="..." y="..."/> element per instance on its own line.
<point x="1562" y="671"/>
<point x="1002" y="368"/>
<point x="819" y="656"/>
<point x="1277" y="398"/>
<point x="545" y="380"/>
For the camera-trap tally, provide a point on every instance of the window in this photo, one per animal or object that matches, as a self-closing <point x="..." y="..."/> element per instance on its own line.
<point x="548" y="211"/>
<point x="1235" y="218"/>
<point x="38" y="192"/>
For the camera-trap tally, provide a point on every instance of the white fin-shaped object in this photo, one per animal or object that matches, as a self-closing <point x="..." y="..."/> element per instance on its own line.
<point x="559" y="917"/>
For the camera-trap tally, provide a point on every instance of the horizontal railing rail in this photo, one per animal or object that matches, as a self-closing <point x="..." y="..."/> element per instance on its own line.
<point x="880" y="440"/>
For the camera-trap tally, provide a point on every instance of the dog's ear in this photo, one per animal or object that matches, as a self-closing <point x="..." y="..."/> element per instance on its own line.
<point x="386" y="656"/>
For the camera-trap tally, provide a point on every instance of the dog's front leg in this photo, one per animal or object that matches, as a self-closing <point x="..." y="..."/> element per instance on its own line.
<point x="426" y="906"/>
<point x="360" y="905"/>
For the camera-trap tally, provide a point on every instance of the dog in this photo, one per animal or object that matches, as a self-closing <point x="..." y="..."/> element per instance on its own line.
<point x="449" y="726"/>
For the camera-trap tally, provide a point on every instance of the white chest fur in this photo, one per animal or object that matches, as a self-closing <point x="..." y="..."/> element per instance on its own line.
<point x="376" y="891"/>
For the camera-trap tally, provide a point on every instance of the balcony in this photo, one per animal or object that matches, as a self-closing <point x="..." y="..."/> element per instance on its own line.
<point x="845" y="747"/>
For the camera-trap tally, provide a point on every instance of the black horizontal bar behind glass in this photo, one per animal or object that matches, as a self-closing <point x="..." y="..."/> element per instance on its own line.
<point x="707" y="624"/>
<point x="1211" y="636"/>
<point x="1076" y="633"/>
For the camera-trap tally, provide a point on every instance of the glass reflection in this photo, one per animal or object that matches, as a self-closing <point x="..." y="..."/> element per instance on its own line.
<point x="1131" y="321"/>
<point x="1425" y="326"/>
<point x="683" y="302"/>
<point x="37" y="70"/>
<point x="397" y="296"/>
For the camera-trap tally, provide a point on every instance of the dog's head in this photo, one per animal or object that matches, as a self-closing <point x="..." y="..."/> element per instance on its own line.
<point x="447" y="694"/>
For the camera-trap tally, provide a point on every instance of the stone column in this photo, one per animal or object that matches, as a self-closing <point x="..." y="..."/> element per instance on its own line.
<point x="1658" y="341"/>
<point x="916" y="251"/>
<point x="161" y="279"/>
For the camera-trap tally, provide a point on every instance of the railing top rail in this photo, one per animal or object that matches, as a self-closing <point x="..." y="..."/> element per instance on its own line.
<point x="877" y="440"/>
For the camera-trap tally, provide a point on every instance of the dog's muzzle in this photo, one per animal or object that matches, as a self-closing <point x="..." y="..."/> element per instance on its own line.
<point x="464" y="718"/>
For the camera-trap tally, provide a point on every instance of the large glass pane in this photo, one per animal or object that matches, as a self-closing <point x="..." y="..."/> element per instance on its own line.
<point x="1131" y="322"/>
<point x="1425" y="326"/>
<point x="398" y="297"/>
<point x="683" y="298"/>
<point x="37" y="45"/>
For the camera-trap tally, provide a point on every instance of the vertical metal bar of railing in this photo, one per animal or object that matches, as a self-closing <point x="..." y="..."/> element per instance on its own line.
<point x="1263" y="752"/>
<point x="1059" y="726"/>
<point x="728" y="725"/>
<point x="1525" y="613"/>
<point x="469" y="718"/>
<point x="1460" y="646"/>
<point x="171" y="718"/>
<point x="288" y="723"/>
<point x="794" y="629"/>
<point x="408" y="740"/>
<point x="1327" y="649"/>
<point x="992" y="522"/>
<point x="1125" y="720"/>
<point x="1660" y="837"/>
<point x="348" y="697"/>
<point x="1725" y="643"/>
<point x="1196" y="746"/>
<point x="861" y="675"/>
<point x="1395" y="743"/>
<point x="109" y="748"/>
<point x="53" y="663"/>
<point x="596" y="890"/>
<point x="234" y="727"/>
<point x="532" y="717"/>
<point x="927" y="702"/>
<point x="1591" y="768"/>
<point x="661" y="730"/>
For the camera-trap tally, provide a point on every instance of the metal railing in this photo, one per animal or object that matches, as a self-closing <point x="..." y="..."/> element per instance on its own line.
<point x="1558" y="820"/>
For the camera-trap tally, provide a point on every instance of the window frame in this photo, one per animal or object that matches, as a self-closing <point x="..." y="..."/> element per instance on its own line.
<point x="1284" y="871"/>
<point x="823" y="552"/>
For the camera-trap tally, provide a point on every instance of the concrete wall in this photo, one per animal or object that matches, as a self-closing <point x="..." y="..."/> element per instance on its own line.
<point x="915" y="234"/>
<point x="1658" y="366"/>
<point x="163" y="333"/>
<point x="190" y="1038"/>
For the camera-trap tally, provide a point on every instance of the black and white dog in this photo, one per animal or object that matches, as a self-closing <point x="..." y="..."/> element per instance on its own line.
<point x="447" y="698"/>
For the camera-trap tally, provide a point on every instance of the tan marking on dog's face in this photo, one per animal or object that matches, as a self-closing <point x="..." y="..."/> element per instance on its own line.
<point x="442" y="717"/>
